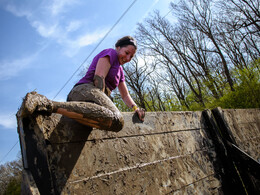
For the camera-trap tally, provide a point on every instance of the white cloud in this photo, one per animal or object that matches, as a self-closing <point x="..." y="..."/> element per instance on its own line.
<point x="50" y="22"/>
<point x="73" y="46"/>
<point x="89" y="39"/>
<point x="10" y="69"/>
<point x="18" y="11"/>
<point x="49" y="7"/>
<point x="58" y="6"/>
<point x="73" y="26"/>
<point x="61" y="35"/>
<point x="46" y="30"/>
<point x="8" y="121"/>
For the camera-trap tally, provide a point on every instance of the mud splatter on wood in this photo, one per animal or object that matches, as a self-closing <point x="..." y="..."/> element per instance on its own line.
<point x="169" y="153"/>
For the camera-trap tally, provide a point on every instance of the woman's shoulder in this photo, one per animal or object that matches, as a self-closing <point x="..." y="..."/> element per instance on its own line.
<point x="109" y="51"/>
<point x="112" y="53"/>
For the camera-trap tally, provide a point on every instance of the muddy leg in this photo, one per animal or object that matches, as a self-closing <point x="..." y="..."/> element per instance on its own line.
<point x="95" y="107"/>
<point x="87" y="104"/>
<point x="91" y="114"/>
<point x="36" y="102"/>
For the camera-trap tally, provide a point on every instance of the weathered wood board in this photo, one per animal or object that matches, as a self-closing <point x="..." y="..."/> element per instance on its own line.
<point x="169" y="153"/>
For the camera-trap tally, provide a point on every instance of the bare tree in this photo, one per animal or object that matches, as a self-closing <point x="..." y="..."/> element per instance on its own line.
<point x="155" y="101"/>
<point x="239" y="22"/>
<point x="11" y="171"/>
<point x="196" y="57"/>
<point x="242" y="14"/>
<point x="198" y="14"/>
<point x="158" y="38"/>
<point x="137" y="73"/>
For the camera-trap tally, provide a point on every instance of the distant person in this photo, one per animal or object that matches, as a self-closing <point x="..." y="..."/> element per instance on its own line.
<point x="88" y="102"/>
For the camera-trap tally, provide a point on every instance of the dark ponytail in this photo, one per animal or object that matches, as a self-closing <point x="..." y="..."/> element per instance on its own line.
<point x="127" y="40"/>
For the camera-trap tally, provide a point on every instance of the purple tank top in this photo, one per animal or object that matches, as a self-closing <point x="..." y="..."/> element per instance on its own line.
<point x="115" y="74"/>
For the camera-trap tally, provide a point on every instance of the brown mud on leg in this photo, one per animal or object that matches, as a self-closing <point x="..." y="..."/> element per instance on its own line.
<point x="87" y="105"/>
<point x="36" y="102"/>
<point x="91" y="114"/>
<point x="99" y="106"/>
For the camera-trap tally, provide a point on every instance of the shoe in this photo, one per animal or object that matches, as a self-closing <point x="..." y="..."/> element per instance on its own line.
<point x="34" y="102"/>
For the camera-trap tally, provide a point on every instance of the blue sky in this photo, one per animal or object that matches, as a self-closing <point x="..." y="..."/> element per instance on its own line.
<point x="44" y="42"/>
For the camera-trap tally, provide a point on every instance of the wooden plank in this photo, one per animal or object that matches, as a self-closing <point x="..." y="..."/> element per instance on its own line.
<point x="160" y="177"/>
<point x="168" y="152"/>
<point x="244" y="125"/>
<point x="237" y="127"/>
<point x="73" y="161"/>
<point x="57" y="129"/>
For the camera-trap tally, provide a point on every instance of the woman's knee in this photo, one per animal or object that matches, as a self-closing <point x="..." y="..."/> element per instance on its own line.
<point x="117" y="123"/>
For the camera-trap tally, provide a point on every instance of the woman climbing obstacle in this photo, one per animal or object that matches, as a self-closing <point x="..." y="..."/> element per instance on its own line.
<point x="88" y="102"/>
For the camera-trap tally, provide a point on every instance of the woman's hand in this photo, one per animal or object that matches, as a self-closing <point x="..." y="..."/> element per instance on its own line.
<point x="141" y="113"/>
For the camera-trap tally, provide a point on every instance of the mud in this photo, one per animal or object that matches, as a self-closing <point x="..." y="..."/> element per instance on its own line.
<point x="93" y="104"/>
<point x="36" y="102"/>
<point x="28" y="189"/>
<point x="168" y="153"/>
<point x="87" y="104"/>
<point x="245" y="128"/>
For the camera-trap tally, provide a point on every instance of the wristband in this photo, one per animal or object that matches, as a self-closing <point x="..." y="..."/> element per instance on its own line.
<point x="134" y="108"/>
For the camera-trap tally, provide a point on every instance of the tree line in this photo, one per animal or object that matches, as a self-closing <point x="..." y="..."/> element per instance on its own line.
<point x="11" y="177"/>
<point x="206" y="55"/>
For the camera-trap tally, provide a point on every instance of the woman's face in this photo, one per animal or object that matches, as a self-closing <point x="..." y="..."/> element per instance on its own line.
<point x="125" y="54"/>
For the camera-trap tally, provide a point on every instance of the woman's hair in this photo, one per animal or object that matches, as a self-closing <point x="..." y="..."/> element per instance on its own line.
<point x="127" y="40"/>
